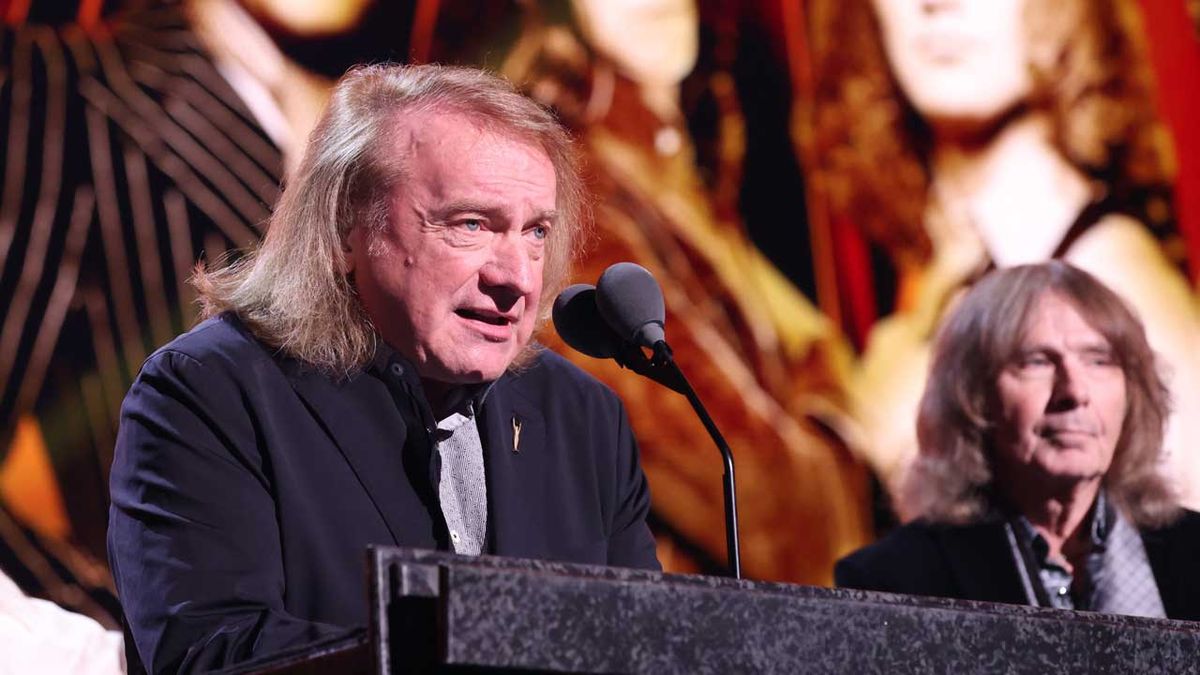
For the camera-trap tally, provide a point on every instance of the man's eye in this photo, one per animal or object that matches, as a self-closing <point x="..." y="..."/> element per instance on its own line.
<point x="539" y="231"/>
<point x="472" y="224"/>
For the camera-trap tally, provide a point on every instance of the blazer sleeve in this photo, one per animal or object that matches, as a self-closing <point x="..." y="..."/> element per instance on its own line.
<point x="193" y="541"/>
<point x="899" y="563"/>
<point x="631" y="544"/>
<point x="850" y="572"/>
<point x="909" y="560"/>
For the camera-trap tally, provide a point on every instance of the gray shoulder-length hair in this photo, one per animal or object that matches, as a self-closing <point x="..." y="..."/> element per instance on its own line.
<point x="951" y="480"/>
<point x="291" y="290"/>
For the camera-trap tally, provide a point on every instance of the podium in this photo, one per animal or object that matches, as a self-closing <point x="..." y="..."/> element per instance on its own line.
<point x="438" y="612"/>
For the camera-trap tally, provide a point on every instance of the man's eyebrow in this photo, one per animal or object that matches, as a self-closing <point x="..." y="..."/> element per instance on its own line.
<point x="548" y="216"/>
<point x="1031" y="347"/>
<point x="489" y="210"/>
<point x="464" y="206"/>
<point x="1026" y="351"/>
<point x="1047" y="348"/>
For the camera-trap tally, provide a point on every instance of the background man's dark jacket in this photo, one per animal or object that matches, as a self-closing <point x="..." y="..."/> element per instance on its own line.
<point x="245" y="488"/>
<point x="975" y="562"/>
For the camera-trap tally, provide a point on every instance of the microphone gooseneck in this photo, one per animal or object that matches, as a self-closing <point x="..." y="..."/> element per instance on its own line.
<point x="621" y="316"/>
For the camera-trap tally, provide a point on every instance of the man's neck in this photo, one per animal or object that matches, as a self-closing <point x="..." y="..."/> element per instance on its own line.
<point x="442" y="396"/>
<point x="446" y="398"/>
<point x="1060" y="516"/>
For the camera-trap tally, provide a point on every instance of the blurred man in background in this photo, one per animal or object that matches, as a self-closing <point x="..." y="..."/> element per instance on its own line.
<point x="1039" y="476"/>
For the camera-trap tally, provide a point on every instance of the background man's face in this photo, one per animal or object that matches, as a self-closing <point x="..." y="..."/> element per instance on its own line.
<point x="1061" y="400"/>
<point x="453" y="280"/>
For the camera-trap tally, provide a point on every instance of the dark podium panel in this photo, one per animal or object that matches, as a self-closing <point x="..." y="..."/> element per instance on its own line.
<point x="441" y="612"/>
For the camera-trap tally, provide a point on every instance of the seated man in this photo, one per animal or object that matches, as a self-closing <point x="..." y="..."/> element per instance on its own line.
<point x="1038" y="477"/>
<point x="367" y="376"/>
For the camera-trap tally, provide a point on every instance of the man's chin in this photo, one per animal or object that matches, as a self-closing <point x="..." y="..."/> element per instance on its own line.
<point x="471" y="371"/>
<point x="1073" y="474"/>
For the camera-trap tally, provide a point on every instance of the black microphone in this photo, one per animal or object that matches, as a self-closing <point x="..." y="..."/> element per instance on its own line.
<point x="581" y="326"/>
<point x="631" y="301"/>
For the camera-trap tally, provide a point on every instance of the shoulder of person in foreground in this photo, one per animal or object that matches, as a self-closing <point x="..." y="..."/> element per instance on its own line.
<point x="193" y="542"/>
<point x="586" y="423"/>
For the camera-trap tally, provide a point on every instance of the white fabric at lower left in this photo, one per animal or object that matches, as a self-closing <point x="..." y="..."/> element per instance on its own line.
<point x="37" y="636"/>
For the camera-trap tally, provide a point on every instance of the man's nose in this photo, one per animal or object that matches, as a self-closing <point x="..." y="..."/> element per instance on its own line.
<point x="934" y="6"/>
<point x="509" y="267"/>
<point x="1070" y="387"/>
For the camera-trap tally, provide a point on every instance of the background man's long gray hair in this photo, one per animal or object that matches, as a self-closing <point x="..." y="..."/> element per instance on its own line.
<point x="951" y="480"/>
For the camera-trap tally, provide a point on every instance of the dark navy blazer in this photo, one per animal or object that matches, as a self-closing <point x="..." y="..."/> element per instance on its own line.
<point x="245" y="488"/>
<point x="975" y="562"/>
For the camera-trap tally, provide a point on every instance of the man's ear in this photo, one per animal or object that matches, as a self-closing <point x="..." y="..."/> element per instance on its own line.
<point x="352" y="243"/>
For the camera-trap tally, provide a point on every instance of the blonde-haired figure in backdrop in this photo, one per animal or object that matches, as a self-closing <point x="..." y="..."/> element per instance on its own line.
<point x="767" y="364"/>
<point x="965" y="135"/>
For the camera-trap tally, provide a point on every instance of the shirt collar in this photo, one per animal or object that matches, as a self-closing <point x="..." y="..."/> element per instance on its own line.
<point x="467" y="399"/>
<point x="1102" y="519"/>
<point x="1101" y="524"/>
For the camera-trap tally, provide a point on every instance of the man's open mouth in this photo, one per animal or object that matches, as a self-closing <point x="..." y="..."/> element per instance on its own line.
<point x="486" y="317"/>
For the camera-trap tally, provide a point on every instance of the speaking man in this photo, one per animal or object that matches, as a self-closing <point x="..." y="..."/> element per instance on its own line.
<point x="367" y="376"/>
<point x="1038" y="480"/>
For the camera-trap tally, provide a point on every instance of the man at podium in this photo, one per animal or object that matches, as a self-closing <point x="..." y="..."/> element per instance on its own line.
<point x="367" y="375"/>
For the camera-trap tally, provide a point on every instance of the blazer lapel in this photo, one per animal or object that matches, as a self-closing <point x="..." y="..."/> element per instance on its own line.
<point x="359" y="416"/>
<point x="1158" y="555"/>
<point x="1173" y="552"/>
<point x="515" y="447"/>
<point x="981" y="562"/>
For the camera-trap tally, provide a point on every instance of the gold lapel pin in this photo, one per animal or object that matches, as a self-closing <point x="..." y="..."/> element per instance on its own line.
<point x="516" y="434"/>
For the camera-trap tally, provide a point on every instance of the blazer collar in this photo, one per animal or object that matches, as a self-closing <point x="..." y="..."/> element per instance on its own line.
<point x="359" y="416"/>
<point x="354" y="413"/>
<point x="1173" y="566"/>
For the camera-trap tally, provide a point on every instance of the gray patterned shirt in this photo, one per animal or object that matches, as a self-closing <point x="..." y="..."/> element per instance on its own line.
<point x="462" y="487"/>
<point x="1114" y="577"/>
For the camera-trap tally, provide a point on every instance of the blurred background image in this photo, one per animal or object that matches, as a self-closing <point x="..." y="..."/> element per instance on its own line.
<point x="813" y="182"/>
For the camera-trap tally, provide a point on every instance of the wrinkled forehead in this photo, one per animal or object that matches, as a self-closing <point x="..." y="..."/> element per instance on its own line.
<point x="433" y="124"/>
<point x="1054" y="317"/>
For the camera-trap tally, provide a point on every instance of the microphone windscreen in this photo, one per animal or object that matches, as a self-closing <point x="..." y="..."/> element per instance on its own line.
<point x="630" y="299"/>
<point x="580" y="325"/>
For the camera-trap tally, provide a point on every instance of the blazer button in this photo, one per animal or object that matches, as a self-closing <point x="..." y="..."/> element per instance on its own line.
<point x="397" y="369"/>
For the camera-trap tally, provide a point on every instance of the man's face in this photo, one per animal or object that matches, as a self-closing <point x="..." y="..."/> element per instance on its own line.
<point x="1061" y="400"/>
<point x="453" y="280"/>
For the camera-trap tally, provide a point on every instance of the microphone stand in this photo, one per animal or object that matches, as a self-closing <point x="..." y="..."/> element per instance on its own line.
<point x="663" y="369"/>
<point x="635" y="319"/>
